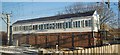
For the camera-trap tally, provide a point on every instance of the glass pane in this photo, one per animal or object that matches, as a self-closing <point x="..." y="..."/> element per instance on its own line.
<point x="78" y="23"/>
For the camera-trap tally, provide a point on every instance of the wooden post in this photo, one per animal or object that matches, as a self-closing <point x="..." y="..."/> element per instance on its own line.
<point x="36" y="39"/>
<point x="72" y="40"/>
<point x="46" y="40"/>
<point x="17" y="42"/>
<point x="58" y="38"/>
<point x="89" y="44"/>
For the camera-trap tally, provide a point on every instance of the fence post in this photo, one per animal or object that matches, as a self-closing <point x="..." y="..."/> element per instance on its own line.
<point x="97" y="50"/>
<point x="83" y="51"/>
<point x="92" y="51"/>
<point x="70" y="52"/>
<point x="119" y="49"/>
<point x="75" y="52"/>
<point x="79" y="52"/>
<point x="66" y="53"/>
<point x="107" y="49"/>
<point x="86" y="51"/>
<point x="103" y="50"/>
<point x="116" y="48"/>
<point x="110" y="49"/>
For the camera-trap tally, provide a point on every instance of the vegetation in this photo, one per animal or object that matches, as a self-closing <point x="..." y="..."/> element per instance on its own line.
<point x="3" y="37"/>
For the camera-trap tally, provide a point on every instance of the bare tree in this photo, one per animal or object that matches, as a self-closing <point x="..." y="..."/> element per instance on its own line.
<point x="78" y="8"/>
<point x="119" y="14"/>
<point x="105" y="13"/>
<point x="119" y="5"/>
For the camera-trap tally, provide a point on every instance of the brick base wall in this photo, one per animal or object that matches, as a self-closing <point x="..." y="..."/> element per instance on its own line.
<point x="64" y="40"/>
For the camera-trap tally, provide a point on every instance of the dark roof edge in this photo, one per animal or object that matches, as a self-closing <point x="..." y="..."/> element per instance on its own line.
<point x="52" y="17"/>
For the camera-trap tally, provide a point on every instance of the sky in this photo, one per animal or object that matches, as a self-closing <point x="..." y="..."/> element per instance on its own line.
<point x="57" y="0"/>
<point x="30" y="10"/>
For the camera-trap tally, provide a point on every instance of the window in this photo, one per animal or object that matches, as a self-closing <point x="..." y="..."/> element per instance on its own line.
<point x="62" y="25"/>
<point x="17" y="28"/>
<point x="27" y="28"/>
<point x="20" y="28"/>
<point x="78" y="23"/>
<point x="24" y="28"/>
<point x="55" y="25"/>
<point x="41" y="27"/>
<point x="44" y="26"/>
<point x="30" y="27"/>
<point x="35" y="27"/>
<point x="14" y="28"/>
<point x="58" y="25"/>
<point x="74" y="24"/>
<point x="89" y="21"/>
<point x="82" y="23"/>
<point x="47" y="26"/>
<point x="66" y="24"/>
<point x="70" y="24"/>
<point x="86" y="23"/>
<point x="52" y="26"/>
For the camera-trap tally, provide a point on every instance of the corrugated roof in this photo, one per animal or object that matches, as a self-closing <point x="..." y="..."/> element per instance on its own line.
<point x="57" y="17"/>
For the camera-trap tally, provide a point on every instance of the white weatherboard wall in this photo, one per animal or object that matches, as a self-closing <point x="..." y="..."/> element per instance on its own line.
<point x="87" y="29"/>
<point x="81" y="29"/>
<point x="96" y="24"/>
<point x="94" y="18"/>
